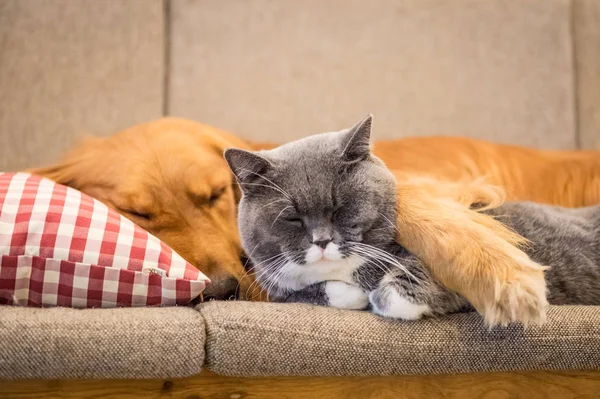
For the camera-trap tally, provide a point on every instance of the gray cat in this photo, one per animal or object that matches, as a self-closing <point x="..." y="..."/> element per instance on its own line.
<point x="317" y="220"/>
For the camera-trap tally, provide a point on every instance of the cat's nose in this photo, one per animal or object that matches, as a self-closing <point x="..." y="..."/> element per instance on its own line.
<point x="322" y="243"/>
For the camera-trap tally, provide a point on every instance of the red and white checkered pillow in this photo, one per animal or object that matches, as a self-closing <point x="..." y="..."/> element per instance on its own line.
<point x="60" y="247"/>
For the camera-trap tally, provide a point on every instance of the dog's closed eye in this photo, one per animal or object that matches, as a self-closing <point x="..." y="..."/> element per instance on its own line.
<point x="216" y="195"/>
<point x="203" y="199"/>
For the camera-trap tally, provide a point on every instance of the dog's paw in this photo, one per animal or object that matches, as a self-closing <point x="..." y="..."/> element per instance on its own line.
<point x="346" y="296"/>
<point x="521" y="297"/>
<point x="388" y="302"/>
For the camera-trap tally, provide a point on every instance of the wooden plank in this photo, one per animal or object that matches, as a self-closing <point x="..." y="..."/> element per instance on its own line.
<point x="207" y="385"/>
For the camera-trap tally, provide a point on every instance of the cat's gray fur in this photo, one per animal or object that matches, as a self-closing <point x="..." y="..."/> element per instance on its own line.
<point x="329" y="191"/>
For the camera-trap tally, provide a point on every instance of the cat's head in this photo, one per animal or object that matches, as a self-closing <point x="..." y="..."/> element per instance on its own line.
<point x="317" y="201"/>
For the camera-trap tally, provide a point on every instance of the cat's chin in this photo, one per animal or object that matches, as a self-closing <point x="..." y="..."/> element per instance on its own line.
<point x="324" y="262"/>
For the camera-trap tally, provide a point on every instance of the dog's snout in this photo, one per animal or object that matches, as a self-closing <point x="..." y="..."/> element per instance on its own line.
<point x="222" y="289"/>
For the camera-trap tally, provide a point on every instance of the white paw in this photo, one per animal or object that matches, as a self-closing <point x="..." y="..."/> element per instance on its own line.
<point x="346" y="296"/>
<point x="391" y="304"/>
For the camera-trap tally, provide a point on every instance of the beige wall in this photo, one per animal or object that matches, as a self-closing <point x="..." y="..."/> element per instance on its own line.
<point x="524" y="72"/>
<point x="272" y="68"/>
<point x="68" y="67"/>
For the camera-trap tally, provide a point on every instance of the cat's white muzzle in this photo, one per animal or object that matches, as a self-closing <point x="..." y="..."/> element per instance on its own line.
<point x="318" y="254"/>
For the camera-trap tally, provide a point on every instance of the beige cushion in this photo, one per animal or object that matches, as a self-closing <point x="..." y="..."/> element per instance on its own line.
<point x="273" y="70"/>
<point x="100" y="343"/>
<point x="258" y="339"/>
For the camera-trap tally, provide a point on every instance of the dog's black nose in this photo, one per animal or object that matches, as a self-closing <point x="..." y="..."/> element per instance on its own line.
<point x="222" y="289"/>
<point x="322" y="243"/>
<point x="246" y="261"/>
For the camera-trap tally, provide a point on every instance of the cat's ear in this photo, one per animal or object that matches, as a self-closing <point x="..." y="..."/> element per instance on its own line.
<point x="246" y="165"/>
<point x="357" y="143"/>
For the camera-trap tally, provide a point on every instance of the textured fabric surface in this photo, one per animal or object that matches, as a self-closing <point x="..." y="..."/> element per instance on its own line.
<point x="69" y="68"/>
<point x="100" y="343"/>
<point x="258" y="339"/>
<point x="586" y="31"/>
<point x="60" y="247"/>
<point x="272" y="70"/>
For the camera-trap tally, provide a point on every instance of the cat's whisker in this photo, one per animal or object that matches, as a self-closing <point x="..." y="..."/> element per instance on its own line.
<point x="395" y="263"/>
<point x="286" y="268"/>
<point x="275" y="277"/>
<point x="273" y="202"/>
<point x="266" y="260"/>
<point x="283" y="267"/>
<point x="379" y="265"/>
<point x="381" y="228"/>
<point x="263" y="276"/>
<point x="270" y="181"/>
<point x="246" y="270"/>
<point x="266" y="278"/>
<point x="385" y="256"/>
<point x="389" y="221"/>
<point x="267" y="268"/>
<point x="250" y="256"/>
<point x="273" y="266"/>
<point x="272" y="280"/>
<point x="254" y="281"/>
<point x="266" y="185"/>
<point x="366" y="257"/>
<point x="279" y="214"/>
<point x="382" y="265"/>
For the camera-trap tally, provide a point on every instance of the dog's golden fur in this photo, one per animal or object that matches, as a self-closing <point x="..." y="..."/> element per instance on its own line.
<point x="169" y="177"/>
<point x="566" y="178"/>
<point x="471" y="253"/>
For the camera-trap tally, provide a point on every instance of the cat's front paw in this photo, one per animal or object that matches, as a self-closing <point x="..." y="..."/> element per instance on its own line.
<point x="345" y="296"/>
<point x="387" y="302"/>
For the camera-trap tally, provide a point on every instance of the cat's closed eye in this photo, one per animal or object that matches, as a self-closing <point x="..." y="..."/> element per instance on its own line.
<point x="337" y="213"/>
<point x="294" y="221"/>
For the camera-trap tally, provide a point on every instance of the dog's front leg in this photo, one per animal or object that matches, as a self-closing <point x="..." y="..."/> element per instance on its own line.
<point x="469" y="252"/>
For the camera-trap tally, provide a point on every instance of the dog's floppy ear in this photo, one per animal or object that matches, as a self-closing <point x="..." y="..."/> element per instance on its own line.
<point x="61" y="173"/>
<point x="74" y="166"/>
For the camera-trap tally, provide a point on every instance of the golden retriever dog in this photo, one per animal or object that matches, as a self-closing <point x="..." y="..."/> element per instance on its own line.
<point x="169" y="177"/>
